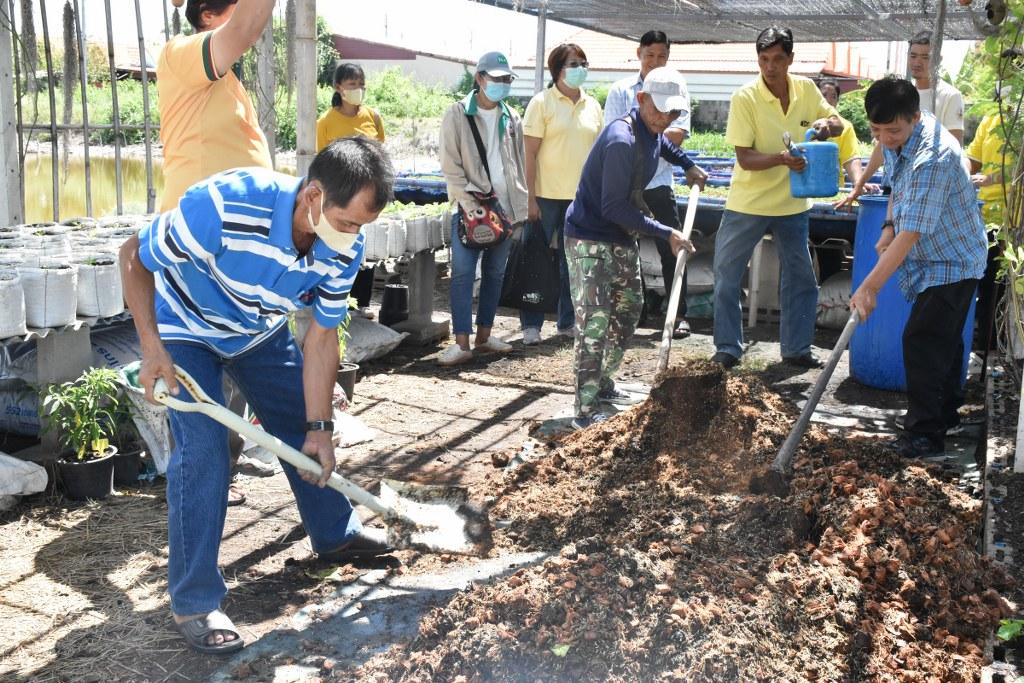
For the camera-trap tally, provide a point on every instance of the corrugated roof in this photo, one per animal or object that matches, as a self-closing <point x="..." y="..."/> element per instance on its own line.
<point x="724" y="21"/>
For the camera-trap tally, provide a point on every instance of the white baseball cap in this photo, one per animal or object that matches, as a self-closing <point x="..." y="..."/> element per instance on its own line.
<point x="667" y="88"/>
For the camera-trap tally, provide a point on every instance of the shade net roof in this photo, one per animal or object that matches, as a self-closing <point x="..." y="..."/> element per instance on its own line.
<point x="722" y="21"/>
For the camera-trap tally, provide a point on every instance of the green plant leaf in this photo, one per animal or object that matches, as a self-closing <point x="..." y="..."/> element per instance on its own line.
<point x="1009" y="628"/>
<point x="561" y="649"/>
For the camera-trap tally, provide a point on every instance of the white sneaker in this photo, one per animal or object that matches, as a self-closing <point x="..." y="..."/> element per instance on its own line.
<point x="494" y="345"/>
<point x="531" y="336"/>
<point x="454" y="355"/>
<point x="567" y="332"/>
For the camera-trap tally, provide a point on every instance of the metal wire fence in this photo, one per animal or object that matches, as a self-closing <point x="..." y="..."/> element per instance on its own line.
<point x="29" y="79"/>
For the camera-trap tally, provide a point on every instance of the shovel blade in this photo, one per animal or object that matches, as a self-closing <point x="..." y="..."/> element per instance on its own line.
<point x="444" y="519"/>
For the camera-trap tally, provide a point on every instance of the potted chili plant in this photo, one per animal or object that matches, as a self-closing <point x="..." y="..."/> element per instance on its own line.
<point x="82" y="413"/>
<point x="347" y="372"/>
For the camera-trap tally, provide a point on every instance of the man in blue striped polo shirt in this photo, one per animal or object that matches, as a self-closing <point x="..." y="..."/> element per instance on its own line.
<point x="935" y="237"/>
<point x="209" y="285"/>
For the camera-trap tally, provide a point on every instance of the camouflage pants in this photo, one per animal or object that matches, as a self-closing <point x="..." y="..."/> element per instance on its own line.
<point x="608" y="297"/>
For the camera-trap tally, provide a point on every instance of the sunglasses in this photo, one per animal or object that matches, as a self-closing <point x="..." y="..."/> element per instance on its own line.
<point x="499" y="79"/>
<point x="574" y="64"/>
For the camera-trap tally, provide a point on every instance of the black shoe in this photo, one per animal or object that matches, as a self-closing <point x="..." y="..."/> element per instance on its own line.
<point x="369" y="542"/>
<point x="915" y="446"/>
<point x="726" y="360"/>
<point x="805" y="361"/>
<point x="618" y="397"/>
<point x="682" y="330"/>
<point x="584" y="421"/>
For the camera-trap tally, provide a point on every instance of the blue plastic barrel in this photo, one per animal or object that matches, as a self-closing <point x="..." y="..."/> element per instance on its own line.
<point x="876" y="349"/>
<point x="820" y="177"/>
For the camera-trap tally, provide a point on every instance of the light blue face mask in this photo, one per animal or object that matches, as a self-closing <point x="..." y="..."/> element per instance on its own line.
<point x="496" y="92"/>
<point x="575" y="76"/>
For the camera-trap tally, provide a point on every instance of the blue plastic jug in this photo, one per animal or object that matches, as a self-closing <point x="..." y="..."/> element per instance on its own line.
<point x="820" y="178"/>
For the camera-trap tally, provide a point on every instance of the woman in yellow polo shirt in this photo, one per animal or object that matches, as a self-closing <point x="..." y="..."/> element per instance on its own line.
<point x="559" y="128"/>
<point x="348" y="115"/>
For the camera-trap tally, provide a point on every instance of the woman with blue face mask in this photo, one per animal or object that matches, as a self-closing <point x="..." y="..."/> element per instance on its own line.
<point x="560" y="125"/>
<point x="466" y="173"/>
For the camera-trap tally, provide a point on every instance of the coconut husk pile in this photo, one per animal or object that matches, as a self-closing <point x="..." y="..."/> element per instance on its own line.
<point x="664" y="567"/>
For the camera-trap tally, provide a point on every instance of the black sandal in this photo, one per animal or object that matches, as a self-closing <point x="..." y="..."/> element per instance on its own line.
<point x="196" y="631"/>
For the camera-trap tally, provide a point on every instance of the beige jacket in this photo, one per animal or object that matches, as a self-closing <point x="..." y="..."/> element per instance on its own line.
<point x="464" y="170"/>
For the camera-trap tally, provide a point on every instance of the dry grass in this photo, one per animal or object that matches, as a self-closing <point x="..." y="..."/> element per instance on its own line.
<point x="82" y="585"/>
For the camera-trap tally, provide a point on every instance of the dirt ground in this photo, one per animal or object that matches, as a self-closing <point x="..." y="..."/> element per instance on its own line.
<point x="661" y="564"/>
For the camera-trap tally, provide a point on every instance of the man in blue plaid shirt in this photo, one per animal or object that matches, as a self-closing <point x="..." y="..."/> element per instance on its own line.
<point x="935" y="237"/>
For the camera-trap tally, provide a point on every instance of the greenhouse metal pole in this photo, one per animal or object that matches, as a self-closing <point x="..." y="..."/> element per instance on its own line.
<point x="305" y="113"/>
<point x="144" y="69"/>
<point x="54" y="168"/>
<point x="305" y="80"/>
<point x="11" y="199"/>
<point x="118" y="180"/>
<point x="542" y="23"/>
<point x="266" y="88"/>
<point x="936" y="46"/>
<point x="83" y="79"/>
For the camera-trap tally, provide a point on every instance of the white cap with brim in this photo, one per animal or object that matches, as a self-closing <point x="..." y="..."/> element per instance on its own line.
<point x="667" y="89"/>
<point x="494" y="64"/>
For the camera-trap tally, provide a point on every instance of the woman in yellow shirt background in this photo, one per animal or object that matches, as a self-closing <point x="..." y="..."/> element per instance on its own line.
<point x="348" y="116"/>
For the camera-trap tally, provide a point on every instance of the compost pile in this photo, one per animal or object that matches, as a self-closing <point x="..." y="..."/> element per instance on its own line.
<point x="664" y="567"/>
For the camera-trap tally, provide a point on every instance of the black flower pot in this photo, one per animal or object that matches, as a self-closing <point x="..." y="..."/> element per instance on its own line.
<point x="88" y="479"/>
<point x="127" y="464"/>
<point x="347" y="378"/>
<point x="394" y="308"/>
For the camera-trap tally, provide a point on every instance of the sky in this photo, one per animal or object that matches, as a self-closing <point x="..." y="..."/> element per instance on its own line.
<point x="452" y="27"/>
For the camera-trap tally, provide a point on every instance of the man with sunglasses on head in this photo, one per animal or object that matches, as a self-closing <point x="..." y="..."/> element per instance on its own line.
<point x="653" y="52"/>
<point x="760" y="199"/>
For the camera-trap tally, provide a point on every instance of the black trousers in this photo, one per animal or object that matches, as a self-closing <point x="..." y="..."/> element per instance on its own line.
<point x="662" y="202"/>
<point x="933" y="352"/>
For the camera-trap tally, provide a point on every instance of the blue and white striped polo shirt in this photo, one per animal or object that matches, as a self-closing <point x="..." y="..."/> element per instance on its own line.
<point x="226" y="268"/>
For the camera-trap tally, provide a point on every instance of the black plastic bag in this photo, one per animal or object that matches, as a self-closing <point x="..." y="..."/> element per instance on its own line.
<point x="532" y="277"/>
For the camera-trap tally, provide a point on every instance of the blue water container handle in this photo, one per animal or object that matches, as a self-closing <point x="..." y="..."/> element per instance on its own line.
<point x="810" y="135"/>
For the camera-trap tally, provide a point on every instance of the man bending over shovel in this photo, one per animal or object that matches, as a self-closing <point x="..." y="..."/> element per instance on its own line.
<point x="935" y="237"/>
<point x="209" y="284"/>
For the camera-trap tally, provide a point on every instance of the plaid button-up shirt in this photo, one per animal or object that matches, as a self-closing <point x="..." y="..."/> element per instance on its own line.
<point x="933" y="196"/>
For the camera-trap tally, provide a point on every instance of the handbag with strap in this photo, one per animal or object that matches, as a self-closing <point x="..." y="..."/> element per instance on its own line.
<point x="487" y="225"/>
<point x="533" y="277"/>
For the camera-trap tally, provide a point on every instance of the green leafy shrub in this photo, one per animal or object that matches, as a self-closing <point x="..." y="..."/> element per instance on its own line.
<point x="851" y="108"/>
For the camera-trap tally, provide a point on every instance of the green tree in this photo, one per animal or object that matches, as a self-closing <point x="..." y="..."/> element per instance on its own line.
<point x="851" y="108"/>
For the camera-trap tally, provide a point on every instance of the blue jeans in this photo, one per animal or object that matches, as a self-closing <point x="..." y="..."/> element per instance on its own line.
<point x="492" y="274"/>
<point x="270" y="377"/>
<point x="552" y="219"/>
<point x="737" y="236"/>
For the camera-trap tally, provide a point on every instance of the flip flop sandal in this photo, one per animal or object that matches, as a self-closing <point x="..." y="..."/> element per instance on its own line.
<point x="235" y="496"/>
<point x="196" y="631"/>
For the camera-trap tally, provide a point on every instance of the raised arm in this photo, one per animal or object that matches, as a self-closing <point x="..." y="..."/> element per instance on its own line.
<point x="240" y="32"/>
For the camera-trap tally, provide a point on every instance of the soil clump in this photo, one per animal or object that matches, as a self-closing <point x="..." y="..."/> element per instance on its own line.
<point x="664" y="567"/>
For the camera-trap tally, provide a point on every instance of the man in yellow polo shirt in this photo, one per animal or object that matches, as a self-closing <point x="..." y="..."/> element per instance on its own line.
<point x="760" y="199"/>
<point x="207" y="121"/>
<point x="849" y="162"/>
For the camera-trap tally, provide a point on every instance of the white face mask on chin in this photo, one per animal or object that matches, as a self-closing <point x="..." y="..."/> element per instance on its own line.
<point x="336" y="240"/>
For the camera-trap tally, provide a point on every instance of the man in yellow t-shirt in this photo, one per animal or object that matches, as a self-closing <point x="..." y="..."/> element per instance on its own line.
<point x="760" y="199"/>
<point x="988" y="161"/>
<point x="207" y="121"/>
<point x="849" y="162"/>
<point x="986" y="156"/>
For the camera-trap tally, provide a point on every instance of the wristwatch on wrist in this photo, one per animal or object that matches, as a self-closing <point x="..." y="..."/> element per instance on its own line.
<point x="320" y="426"/>
<point x="888" y="223"/>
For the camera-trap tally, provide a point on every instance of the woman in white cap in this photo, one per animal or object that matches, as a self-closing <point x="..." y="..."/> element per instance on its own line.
<point x="502" y="172"/>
